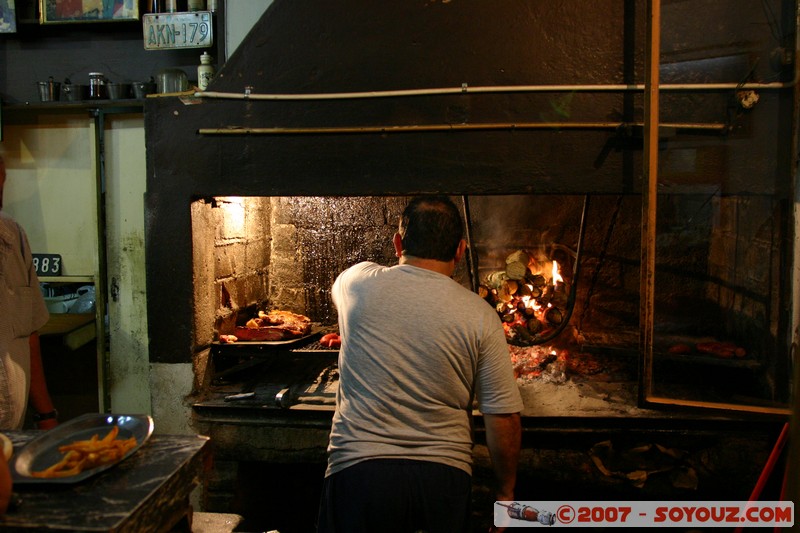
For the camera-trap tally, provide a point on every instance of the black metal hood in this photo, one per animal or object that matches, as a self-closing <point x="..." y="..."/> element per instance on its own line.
<point x="469" y="127"/>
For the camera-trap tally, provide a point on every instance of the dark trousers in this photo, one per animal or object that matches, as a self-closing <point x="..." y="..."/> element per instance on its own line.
<point x="396" y="496"/>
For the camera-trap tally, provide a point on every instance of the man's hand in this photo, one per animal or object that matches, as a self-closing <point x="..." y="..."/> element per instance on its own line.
<point x="503" y="438"/>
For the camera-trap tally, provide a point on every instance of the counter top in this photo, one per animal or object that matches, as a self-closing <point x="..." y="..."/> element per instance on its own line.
<point x="148" y="491"/>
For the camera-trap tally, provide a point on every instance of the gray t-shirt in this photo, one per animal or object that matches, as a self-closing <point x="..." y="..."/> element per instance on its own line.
<point x="414" y="343"/>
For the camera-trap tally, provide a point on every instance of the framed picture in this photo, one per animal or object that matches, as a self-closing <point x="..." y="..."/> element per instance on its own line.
<point x="8" y="16"/>
<point x="65" y="11"/>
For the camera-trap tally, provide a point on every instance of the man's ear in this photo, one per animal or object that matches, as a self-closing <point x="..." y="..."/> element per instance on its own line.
<point x="397" y="240"/>
<point x="462" y="248"/>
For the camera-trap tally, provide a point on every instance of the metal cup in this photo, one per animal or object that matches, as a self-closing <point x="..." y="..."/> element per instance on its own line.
<point x="118" y="91"/>
<point x="73" y="92"/>
<point x="142" y="88"/>
<point x="49" y="90"/>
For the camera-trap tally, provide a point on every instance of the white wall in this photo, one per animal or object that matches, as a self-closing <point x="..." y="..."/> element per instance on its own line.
<point x="240" y="15"/>
<point x="50" y="188"/>
<point x="125" y="166"/>
<point x="51" y="192"/>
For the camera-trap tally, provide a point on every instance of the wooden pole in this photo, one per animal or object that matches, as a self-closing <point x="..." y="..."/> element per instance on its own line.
<point x="649" y="192"/>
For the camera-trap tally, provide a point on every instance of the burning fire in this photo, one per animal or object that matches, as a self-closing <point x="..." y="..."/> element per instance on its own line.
<point x="530" y="297"/>
<point x="556" y="277"/>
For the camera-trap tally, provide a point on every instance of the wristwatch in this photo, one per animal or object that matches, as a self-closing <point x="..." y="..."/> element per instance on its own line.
<point x="38" y="417"/>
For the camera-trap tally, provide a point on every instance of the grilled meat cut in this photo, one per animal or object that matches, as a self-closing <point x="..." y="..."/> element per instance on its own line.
<point x="331" y="340"/>
<point x="274" y="326"/>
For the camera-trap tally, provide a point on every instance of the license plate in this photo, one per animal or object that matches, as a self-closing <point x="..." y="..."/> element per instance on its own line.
<point x="166" y="31"/>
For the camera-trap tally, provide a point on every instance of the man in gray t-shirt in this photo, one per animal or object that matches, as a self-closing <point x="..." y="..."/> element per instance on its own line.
<point x="400" y="448"/>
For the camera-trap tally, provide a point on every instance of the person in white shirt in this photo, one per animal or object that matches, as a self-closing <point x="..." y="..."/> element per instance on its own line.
<point x="22" y="313"/>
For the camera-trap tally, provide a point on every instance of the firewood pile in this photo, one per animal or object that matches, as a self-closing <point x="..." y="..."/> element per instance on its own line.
<point x="530" y="296"/>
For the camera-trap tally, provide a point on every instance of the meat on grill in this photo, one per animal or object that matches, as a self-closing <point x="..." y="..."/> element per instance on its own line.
<point x="274" y="326"/>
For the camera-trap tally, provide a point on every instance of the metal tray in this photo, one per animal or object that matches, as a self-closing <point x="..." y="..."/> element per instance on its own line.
<point x="315" y="330"/>
<point x="42" y="452"/>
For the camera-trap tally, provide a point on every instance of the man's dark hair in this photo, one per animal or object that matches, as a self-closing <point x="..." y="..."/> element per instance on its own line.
<point x="431" y="228"/>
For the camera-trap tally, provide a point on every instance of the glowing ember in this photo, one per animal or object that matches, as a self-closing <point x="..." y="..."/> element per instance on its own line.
<point x="538" y="363"/>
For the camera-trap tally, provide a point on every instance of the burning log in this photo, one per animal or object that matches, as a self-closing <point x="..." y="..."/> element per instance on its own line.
<point x="529" y="302"/>
<point x="484" y="292"/>
<point x="554" y="316"/>
<point x="523" y="290"/>
<point x="537" y="280"/>
<point x="545" y="298"/>
<point x="517" y="265"/>
<point x="497" y="279"/>
<point x="534" y="292"/>
<point x="534" y="325"/>
<point x="504" y="293"/>
<point x="513" y="286"/>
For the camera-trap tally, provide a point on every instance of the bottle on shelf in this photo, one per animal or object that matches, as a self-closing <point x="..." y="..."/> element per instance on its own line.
<point x="205" y="71"/>
<point x="97" y="86"/>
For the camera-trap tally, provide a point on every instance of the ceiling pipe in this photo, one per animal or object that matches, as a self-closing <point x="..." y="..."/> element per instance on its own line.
<point x="466" y="89"/>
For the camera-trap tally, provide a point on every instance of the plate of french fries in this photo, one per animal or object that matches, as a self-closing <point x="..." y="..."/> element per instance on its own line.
<point x="80" y="448"/>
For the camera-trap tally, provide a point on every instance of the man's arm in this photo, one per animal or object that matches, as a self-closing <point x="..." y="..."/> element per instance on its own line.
<point x="39" y="395"/>
<point x="503" y="438"/>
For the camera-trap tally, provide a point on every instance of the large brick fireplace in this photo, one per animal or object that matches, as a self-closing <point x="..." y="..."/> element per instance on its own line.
<point x="258" y="202"/>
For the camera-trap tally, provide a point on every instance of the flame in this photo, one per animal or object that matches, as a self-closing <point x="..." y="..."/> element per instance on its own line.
<point x="556" y="276"/>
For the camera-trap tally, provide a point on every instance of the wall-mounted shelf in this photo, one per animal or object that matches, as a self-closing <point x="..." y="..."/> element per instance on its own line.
<point x="105" y="104"/>
<point x="117" y="49"/>
<point x="66" y="279"/>
<point x="75" y="329"/>
<point x="89" y="106"/>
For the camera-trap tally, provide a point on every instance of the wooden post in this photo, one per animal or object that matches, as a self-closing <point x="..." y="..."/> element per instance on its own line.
<point x="649" y="192"/>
